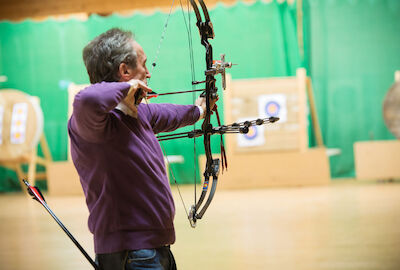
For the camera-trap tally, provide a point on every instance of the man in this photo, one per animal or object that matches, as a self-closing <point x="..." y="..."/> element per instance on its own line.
<point x="118" y="157"/>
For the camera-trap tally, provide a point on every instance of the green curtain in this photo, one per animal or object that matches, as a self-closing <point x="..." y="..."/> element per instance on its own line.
<point x="42" y="58"/>
<point x="352" y="52"/>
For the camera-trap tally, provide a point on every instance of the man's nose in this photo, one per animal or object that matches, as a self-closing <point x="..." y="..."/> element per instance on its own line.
<point x="148" y="75"/>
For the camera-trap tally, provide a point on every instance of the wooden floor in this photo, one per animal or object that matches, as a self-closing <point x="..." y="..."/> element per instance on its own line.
<point x="345" y="225"/>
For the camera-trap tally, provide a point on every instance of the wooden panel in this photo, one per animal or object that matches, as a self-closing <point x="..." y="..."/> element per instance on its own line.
<point x="377" y="160"/>
<point x="241" y="101"/>
<point x="63" y="179"/>
<point x="258" y="170"/>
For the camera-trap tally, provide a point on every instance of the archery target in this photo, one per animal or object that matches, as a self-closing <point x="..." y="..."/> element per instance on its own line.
<point x="273" y="105"/>
<point x="18" y="123"/>
<point x="272" y="108"/>
<point x="252" y="134"/>
<point x="21" y="124"/>
<point x="255" y="136"/>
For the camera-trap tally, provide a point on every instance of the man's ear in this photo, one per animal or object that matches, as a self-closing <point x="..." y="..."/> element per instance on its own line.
<point x="125" y="72"/>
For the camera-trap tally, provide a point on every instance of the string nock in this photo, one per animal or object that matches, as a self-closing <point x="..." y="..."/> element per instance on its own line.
<point x="26" y="183"/>
<point x="151" y="94"/>
<point x="30" y="192"/>
<point x="192" y="216"/>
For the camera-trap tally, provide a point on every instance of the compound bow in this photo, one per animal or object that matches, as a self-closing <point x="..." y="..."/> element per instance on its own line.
<point x="213" y="68"/>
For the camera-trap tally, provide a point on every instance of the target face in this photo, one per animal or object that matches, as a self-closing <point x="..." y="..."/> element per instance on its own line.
<point x="273" y="105"/>
<point x="252" y="134"/>
<point x="21" y="124"/>
<point x="18" y="123"/>
<point x="255" y="136"/>
<point x="272" y="108"/>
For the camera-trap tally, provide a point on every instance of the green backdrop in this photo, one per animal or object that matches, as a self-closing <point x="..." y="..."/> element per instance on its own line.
<point x="352" y="49"/>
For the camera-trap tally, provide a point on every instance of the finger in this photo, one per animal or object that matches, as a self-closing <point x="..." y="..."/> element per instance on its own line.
<point x="144" y="87"/>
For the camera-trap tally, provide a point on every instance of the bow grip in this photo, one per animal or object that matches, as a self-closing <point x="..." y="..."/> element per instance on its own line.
<point x="138" y="95"/>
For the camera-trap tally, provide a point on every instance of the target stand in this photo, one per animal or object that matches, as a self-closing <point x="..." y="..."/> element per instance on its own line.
<point x="21" y="131"/>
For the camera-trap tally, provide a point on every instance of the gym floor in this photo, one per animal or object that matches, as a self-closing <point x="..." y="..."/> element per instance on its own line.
<point x="344" y="225"/>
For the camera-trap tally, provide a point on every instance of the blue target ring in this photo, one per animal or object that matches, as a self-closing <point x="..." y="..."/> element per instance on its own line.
<point x="252" y="134"/>
<point x="272" y="108"/>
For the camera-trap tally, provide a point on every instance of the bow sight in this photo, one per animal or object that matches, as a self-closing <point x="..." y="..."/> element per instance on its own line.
<point x="219" y="67"/>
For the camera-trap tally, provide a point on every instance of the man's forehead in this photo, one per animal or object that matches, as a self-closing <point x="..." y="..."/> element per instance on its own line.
<point x="139" y="50"/>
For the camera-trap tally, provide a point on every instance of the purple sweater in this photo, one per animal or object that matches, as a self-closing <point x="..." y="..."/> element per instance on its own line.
<point x="121" y="167"/>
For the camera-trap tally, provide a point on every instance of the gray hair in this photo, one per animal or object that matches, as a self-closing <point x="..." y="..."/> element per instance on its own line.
<point x="103" y="55"/>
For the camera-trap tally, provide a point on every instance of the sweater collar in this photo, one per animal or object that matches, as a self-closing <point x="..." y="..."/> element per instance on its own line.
<point x="125" y="109"/>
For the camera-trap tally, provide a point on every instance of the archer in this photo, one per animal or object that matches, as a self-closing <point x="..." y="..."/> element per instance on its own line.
<point x="119" y="159"/>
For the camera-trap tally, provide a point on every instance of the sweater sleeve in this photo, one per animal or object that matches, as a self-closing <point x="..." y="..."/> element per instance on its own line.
<point x="169" y="117"/>
<point x="91" y="118"/>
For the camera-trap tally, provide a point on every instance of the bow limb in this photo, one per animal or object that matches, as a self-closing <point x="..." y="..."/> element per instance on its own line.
<point x="196" y="10"/>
